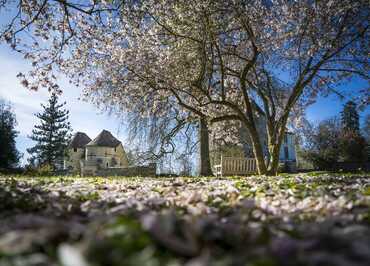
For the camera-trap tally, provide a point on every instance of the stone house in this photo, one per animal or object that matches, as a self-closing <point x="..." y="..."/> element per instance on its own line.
<point x="87" y="157"/>
<point x="76" y="151"/>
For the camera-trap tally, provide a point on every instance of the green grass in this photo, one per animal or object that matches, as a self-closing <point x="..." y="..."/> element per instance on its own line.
<point x="171" y="221"/>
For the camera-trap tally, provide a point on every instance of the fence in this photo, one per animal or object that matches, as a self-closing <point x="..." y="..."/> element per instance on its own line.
<point x="236" y="166"/>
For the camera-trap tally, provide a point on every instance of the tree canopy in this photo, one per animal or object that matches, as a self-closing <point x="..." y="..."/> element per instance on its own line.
<point x="51" y="135"/>
<point x="350" y="117"/>
<point x="221" y="60"/>
<point x="9" y="156"/>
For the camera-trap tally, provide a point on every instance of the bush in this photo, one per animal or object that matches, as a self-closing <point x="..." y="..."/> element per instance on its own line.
<point x="328" y="144"/>
<point x="12" y="171"/>
<point x="352" y="147"/>
<point x="321" y="160"/>
<point x="43" y="170"/>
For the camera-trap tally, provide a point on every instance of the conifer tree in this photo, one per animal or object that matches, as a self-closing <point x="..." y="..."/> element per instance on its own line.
<point x="51" y="135"/>
<point x="350" y="118"/>
<point x="352" y="144"/>
<point x="9" y="156"/>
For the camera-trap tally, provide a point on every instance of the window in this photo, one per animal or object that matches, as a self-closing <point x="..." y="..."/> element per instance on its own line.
<point x="286" y="138"/>
<point x="115" y="149"/>
<point x="75" y="149"/>
<point x="286" y="153"/>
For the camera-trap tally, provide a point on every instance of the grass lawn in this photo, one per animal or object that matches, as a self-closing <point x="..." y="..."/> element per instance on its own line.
<point x="301" y="219"/>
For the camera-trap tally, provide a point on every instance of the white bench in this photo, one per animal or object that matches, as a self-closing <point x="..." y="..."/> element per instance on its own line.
<point x="235" y="166"/>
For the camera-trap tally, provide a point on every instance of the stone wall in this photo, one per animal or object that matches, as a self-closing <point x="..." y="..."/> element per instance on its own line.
<point x="149" y="170"/>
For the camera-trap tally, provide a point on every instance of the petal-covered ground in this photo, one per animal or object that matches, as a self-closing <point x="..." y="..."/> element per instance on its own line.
<point x="300" y="219"/>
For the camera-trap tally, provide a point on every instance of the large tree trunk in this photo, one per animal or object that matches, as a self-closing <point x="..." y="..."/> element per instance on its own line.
<point x="204" y="158"/>
<point x="258" y="152"/>
<point x="273" y="160"/>
<point x="274" y="151"/>
<point x="275" y="140"/>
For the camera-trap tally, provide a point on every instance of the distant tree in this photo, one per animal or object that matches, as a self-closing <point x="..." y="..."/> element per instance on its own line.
<point x="165" y="137"/>
<point x="352" y="146"/>
<point x="321" y="146"/>
<point x="328" y="142"/>
<point x="366" y="129"/>
<point x="366" y="133"/>
<point x="168" y="140"/>
<point x="350" y="118"/>
<point x="9" y="156"/>
<point x="51" y="134"/>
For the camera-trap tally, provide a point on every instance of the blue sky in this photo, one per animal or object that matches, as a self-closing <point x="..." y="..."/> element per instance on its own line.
<point x="84" y="116"/>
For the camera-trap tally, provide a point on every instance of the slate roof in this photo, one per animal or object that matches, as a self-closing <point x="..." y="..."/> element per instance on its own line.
<point x="104" y="139"/>
<point x="79" y="140"/>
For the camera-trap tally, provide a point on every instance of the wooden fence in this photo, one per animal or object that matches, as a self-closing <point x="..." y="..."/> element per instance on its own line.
<point x="235" y="166"/>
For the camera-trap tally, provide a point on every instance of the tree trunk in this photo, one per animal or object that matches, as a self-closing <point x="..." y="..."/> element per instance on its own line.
<point x="204" y="158"/>
<point x="274" y="144"/>
<point x="274" y="150"/>
<point x="274" y="160"/>
<point x="258" y="152"/>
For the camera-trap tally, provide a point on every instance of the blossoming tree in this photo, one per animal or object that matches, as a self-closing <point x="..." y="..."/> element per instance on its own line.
<point x="217" y="60"/>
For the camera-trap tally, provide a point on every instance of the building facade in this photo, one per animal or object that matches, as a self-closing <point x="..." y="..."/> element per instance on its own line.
<point x="87" y="157"/>
<point x="76" y="152"/>
<point x="243" y="148"/>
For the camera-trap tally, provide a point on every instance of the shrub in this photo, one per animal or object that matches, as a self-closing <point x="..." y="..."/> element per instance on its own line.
<point x="45" y="170"/>
<point x="352" y="147"/>
<point x="42" y="170"/>
<point x="328" y="143"/>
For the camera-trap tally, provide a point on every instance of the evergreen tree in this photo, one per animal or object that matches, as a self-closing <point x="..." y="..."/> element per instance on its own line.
<point x="350" y="118"/>
<point x="51" y="135"/>
<point x="352" y="144"/>
<point x="9" y="156"/>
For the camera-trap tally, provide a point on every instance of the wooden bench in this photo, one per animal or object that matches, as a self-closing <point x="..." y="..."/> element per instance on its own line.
<point x="235" y="166"/>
